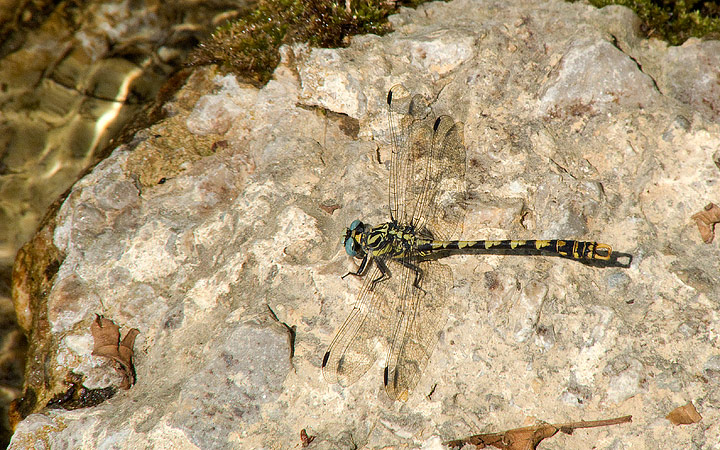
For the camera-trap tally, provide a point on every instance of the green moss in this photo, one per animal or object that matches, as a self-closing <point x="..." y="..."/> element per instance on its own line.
<point x="674" y="20"/>
<point x="249" y="45"/>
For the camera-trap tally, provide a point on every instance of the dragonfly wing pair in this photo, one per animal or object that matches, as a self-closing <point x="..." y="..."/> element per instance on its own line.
<point x="427" y="171"/>
<point x="405" y="311"/>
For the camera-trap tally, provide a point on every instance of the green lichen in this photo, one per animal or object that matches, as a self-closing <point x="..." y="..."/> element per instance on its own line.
<point x="249" y="45"/>
<point x="674" y="20"/>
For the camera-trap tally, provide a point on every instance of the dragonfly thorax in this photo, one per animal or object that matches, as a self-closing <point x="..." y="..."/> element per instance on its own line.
<point x="389" y="239"/>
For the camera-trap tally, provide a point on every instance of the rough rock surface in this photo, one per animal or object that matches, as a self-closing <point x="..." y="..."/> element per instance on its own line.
<point x="216" y="234"/>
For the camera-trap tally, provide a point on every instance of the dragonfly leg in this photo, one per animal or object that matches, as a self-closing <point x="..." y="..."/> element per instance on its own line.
<point x="361" y="269"/>
<point x="418" y="274"/>
<point x="384" y="273"/>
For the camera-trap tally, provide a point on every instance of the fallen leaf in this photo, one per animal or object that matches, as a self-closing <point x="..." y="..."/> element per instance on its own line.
<point x="329" y="208"/>
<point x="684" y="415"/>
<point x="706" y="220"/>
<point x="528" y="438"/>
<point x="106" y="337"/>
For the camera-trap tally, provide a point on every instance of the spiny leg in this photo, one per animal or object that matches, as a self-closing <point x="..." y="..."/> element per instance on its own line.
<point x="384" y="273"/>
<point x="361" y="269"/>
<point x="418" y="273"/>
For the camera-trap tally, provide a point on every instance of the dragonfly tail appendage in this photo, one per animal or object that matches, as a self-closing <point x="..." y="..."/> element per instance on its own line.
<point x="602" y="251"/>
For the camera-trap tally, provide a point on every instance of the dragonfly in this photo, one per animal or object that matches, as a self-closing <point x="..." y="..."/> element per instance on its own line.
<point x="401" y="302"/>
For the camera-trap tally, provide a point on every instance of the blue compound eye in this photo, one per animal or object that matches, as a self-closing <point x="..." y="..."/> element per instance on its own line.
<point x="354" y="225"/>
<point x="350" y="246"/>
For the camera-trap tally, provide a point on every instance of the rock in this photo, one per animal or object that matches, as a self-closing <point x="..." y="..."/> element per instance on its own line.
<point x="216" y="234"/>
<point x="692" y="76"/>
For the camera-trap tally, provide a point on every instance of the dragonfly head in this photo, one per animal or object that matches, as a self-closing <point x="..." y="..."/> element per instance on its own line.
<point x="352" y="239"/>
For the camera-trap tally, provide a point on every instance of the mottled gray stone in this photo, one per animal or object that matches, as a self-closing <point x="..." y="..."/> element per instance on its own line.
<point x="592" y="74"/>
<point x="712" y="366"/>
<point x="692" y="75"/>
<point x="247" y="373"/>
<point x="557" y="148"/>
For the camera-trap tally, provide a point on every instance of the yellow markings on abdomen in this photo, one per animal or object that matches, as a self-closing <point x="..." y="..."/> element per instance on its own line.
<point x="577" y="255"/>
<point x="541" y="244"/>
<point x="516" y="244"/>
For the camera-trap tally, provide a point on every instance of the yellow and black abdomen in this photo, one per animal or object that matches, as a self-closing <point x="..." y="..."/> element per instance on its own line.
<point x="568" y="248"/>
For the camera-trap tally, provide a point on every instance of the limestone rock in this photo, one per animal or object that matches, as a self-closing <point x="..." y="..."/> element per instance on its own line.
<point x="216" y="234"/>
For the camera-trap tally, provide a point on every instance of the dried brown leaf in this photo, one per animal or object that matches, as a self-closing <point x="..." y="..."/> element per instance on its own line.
<point x="706" y="220"/>
<point x="528" y="438"/>
<point x="684" y="415"/>
<point x="330" y="209"/>
<point x="106" y="337"/>
<point x="305" y="439"/>
<point x="126" y="346"/>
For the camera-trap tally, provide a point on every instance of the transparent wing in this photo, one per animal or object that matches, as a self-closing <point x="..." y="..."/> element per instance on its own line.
<point x="427" y="172"/>
<point x="353" y="350"/>
<point x="440" y="208"/>
<point x="407" y="123"/>
<point x="426" y="187"/>
<point x="417" y="330"/>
